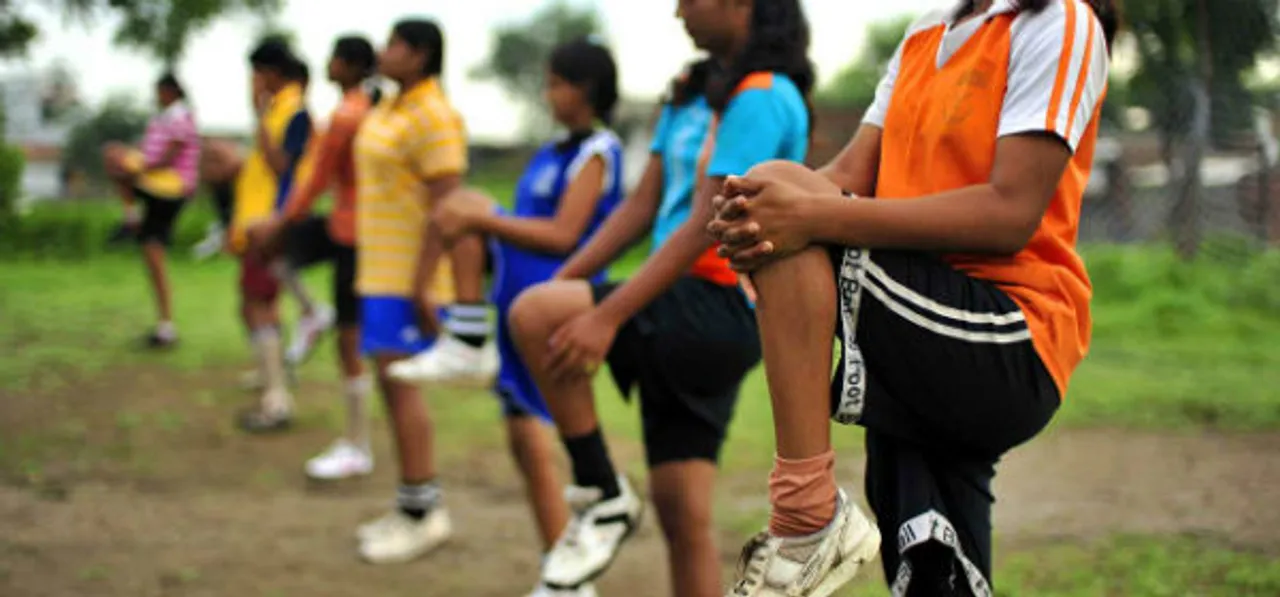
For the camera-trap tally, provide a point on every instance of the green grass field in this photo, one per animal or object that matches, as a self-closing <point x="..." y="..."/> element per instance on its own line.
<point x="1175" y="346"/>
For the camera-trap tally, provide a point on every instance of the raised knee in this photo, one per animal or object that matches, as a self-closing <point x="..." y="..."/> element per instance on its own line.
<point x="527" y="313"/>
<point x="779" y="168"/>
<point x="794" y="173"/>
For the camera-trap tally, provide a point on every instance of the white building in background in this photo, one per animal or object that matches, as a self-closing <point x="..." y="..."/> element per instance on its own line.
<point x="41" y="141"/>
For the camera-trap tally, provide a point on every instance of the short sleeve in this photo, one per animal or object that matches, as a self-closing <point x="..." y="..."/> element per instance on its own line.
<point x="604" y="145"/>
<point x="661" y="131"/>
<point x="752" y="130"/>
<point x="879" y="109"/>
<point x="1058" y="68"/>
<point x="297" y="134"/>
<point x="438" y="147"/>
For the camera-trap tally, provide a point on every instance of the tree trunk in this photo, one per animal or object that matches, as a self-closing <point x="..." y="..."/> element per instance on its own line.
<point x="1185" y="215"/>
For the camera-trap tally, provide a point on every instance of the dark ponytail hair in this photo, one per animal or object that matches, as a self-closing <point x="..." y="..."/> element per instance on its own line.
<point x="589" y="66"/>
<point x="169" y="81"/>
<point x="778" y="42"/>
<point x="691" y="83"/>
<point x="1106" y="11"/>
<point x="357" y="51"/>
<point x="424" y="36"/>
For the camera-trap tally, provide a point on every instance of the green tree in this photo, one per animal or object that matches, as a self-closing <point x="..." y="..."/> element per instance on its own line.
<point x="855" y="85"/>
<point x="1195" y="59"/>
<point x="120" y="118"/>
<point x="161" y="28"/>
<point x="520" y="50"/>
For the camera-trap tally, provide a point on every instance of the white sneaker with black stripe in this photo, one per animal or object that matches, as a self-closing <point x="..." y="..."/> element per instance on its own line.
<point x="595" y="533"/>
<point x="451" y="362"/>
<point x="813" y="566"/>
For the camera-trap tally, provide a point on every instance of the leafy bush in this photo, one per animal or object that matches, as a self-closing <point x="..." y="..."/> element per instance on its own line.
<point x="119" y="119"/>
<point x="79" y="229"/>
<point x="11" y="165"/>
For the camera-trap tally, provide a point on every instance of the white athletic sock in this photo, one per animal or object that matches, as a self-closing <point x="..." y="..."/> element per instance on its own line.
<point x="471" y="323"/>
<point x="356" y="391"/>
<point x="275" y="396"/>
<point x="166" y="330"/>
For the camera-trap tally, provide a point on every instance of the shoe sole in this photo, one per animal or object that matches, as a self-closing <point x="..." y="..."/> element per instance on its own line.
<point x="460" y="383"/>
<point x="847" y="570"/>
<point x="409" y="557"/>
<point x="591" y="577"/>
<point x="342" y="477"/>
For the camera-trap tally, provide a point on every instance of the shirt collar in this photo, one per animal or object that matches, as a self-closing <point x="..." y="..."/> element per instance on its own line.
<point x="998" y="7"/>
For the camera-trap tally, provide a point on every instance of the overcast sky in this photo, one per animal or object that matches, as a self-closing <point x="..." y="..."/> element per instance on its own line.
<point x="649" y="43"/>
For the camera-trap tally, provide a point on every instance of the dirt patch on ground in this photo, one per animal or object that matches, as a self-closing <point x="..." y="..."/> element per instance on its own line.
<point x="106" y="489"/>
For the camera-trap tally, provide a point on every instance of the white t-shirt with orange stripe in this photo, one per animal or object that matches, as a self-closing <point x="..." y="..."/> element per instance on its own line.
<point x="951" y="91"/>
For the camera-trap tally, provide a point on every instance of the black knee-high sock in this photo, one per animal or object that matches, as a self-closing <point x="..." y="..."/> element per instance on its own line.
<point x="591" y="464"/>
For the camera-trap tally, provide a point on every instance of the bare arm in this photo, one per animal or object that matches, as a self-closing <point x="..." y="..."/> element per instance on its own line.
<point x="433" y="245"/>
<point x="560" y="233"/>
<point x="998" y="217"/>
<point x="855" y="168"/>
<point x="622" y="229"/>
<point x="671" y="261"/>
<point x="341" y="134"/>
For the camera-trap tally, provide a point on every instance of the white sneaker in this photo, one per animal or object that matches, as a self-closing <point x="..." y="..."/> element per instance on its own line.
<point x="340" y="460"/>
<point x="308" y="332"/>
<point x="594" y="535"/>
<point x="210" y="245"/>
<point x="813" y="566"/>
<point x="399" y="538"/>
<point x="451" y="362"/>
<point x="587" y="590"/>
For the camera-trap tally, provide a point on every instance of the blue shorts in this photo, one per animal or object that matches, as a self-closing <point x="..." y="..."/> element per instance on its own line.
<point x="515" y="387"/>
<point x="389" y="326"/>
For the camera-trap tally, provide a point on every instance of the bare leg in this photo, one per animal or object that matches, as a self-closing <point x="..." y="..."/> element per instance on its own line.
<point x="410" y="424"/>
<point x="682" y="494"/>
<point x="468" y="255"/>
<point x="532" y="449"/>
<point x="153" y="254"/>
<point x="534" y="317"/>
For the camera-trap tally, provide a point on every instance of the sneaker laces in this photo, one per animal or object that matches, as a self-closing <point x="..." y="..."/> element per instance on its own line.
<point x="752" y="564"/>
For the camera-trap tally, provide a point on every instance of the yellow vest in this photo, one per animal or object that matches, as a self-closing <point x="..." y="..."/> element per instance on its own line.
<point x="256" y="185"/>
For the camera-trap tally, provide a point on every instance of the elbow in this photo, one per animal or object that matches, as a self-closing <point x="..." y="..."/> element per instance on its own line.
<point x="1012" y="235"/>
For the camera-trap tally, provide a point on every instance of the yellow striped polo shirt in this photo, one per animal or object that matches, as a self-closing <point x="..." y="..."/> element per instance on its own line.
<point x="403" y="143"/>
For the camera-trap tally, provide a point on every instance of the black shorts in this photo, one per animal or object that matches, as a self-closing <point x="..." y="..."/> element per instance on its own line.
<point x="223" y="195"/>
<point x="309" y="243"/>
<point x="159" y="214"/>
<point x="688" y="351"/>
<point x="940" y="369"/>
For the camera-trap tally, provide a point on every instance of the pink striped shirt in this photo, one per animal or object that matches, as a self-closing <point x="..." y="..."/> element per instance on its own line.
<point x="175" y="124"/>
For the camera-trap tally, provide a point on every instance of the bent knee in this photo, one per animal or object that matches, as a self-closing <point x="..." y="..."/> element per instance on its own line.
<point x="794" y="173"/>
<point x="539" y="309"/>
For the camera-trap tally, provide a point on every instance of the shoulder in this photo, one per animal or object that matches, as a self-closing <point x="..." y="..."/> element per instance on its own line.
<point x="602" y="141"/>
<point x="767" y="91"/>
<point x="1061" y="22"/>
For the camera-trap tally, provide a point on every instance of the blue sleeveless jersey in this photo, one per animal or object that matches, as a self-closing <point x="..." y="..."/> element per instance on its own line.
<point x="538" y="194"/>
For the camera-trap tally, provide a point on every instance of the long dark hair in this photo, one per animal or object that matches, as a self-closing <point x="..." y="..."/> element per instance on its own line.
<point x="1106" y="11"/>
<point x="778" y="42"/>
<point x="691" y="82"/>
<point x="589" y="66"/>
<point x="424" y="36"/>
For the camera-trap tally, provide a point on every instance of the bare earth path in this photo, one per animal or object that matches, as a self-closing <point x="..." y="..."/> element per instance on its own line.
<point x="203" y="512"/>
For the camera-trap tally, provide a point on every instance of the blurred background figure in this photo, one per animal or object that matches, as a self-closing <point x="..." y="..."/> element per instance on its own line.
<point x="161" y="176"/>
